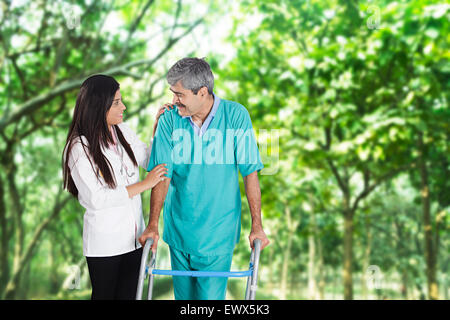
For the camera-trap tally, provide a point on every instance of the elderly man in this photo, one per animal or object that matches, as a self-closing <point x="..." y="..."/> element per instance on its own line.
<point x="204" y="141"/>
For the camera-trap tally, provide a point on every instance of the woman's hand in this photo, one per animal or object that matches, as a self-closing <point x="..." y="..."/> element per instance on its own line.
<point x="161" y="110"/>
<point x="156" y="175"/>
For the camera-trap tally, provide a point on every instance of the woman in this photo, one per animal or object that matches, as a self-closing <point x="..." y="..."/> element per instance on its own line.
<point x="101" y="170"/>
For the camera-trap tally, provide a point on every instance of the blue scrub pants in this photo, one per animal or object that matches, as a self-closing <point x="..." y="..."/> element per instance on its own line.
<point x="199" y="288"/>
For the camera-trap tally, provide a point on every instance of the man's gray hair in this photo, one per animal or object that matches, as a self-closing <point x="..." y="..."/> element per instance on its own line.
<point x="194" y="74"/>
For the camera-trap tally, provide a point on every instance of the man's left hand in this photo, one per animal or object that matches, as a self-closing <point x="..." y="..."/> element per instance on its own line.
<point x="258" y="234"/>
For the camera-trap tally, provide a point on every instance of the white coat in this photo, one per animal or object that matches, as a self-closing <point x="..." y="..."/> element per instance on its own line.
<point x="112" y="222"/>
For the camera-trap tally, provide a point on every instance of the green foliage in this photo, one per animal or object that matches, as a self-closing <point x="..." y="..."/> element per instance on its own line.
<point x="357" y="93"/>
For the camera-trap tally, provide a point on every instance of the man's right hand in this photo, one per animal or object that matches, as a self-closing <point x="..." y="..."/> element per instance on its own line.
<point x="150" y="232"/>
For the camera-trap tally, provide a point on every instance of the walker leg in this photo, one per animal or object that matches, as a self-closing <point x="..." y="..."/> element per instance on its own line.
<point x="249" y="279"/>
<point x="252" y="280"/>
<point x="150" y="288"/>
<point x="150" y="279"/>
<point x="142" y="275"/>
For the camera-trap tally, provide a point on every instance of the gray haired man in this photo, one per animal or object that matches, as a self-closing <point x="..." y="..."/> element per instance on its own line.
<point x="205" y="142"/>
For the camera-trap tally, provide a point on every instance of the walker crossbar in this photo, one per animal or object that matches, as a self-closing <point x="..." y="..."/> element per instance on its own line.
<point x="149" y="270"/>
<point x="220" y="274"/>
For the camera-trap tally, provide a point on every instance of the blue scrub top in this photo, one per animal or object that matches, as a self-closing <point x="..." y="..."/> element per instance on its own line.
<point x="202" y="209"/>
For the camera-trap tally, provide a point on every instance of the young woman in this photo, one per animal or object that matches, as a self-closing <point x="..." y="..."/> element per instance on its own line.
<point x="100" y="168"/>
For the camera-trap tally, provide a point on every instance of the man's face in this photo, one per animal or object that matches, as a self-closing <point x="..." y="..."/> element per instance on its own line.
<point x="188" y="103"/>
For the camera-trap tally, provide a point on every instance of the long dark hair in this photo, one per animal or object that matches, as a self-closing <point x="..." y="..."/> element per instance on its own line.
<point x="89" y="120"/>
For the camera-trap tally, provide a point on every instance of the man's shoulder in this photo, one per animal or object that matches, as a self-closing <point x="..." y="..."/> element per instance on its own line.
<point x="234" y="109"/>
<point x="169" y="117"/>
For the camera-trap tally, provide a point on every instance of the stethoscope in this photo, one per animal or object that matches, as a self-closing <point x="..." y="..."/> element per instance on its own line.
<point x="120" y="149"/>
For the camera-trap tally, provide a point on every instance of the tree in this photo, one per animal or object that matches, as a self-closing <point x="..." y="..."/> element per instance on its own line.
<point x="341" y="87"/>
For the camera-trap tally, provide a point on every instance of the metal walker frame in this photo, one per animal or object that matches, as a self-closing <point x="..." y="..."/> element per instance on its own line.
<point x="148" y="269"/>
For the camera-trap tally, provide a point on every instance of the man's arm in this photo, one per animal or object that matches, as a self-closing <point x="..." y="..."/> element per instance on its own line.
<point x="157" y="197"/>
<point x="161" y="153"/>
<point x="253" y="193"/>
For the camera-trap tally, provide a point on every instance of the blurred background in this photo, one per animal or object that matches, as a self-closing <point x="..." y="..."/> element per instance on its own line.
<point x="349" y="102"/>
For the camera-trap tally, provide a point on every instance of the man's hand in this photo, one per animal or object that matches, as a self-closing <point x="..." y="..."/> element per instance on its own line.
<point x="258" y="233"/>
<point x="150" y="232"/>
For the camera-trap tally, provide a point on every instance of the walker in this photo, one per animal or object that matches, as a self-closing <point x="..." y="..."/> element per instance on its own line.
<point x="149" y="269"/>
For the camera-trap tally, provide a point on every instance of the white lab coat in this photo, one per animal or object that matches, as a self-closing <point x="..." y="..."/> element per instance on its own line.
<point x="112" y="222"/>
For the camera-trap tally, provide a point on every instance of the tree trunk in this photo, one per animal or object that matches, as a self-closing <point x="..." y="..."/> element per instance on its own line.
<point x="348" y="258"/>
<point x="430" y="254"/>
<point x="4" y="266"/>
<point x="320" y="266"/>
<point x="26" y="282"/>
<point x="366" y="261"/>
<point x="348" y="211"/>
<point x="311" y="266"/>
<point x="286" y="256"/>
<point x="53" y="276"/>
<point x="405" y="281"/>
<point x="17" y="210"/>
<point x="315" y="265"/>
<point x="335" y="282"/>
<point x="285" y="268"/>
<point x="271" y="268"/>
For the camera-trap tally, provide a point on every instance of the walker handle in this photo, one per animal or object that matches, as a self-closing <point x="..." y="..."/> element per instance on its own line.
<point x="257" y="244"/>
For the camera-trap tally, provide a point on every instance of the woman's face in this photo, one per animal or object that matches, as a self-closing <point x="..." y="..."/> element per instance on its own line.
<point x="115" y="113"/>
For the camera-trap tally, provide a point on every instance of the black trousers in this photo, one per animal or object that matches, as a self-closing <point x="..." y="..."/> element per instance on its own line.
<point x="116" y="277"/>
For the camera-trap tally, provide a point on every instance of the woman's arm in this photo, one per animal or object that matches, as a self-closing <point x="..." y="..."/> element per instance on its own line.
<point x="151" y="180"/>
<point x="93" y="194"/>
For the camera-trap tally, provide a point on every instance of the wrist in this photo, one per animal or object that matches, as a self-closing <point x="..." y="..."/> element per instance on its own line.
<point x="146" y="184"/>
<point x="152" y="225"/>
<point x="256" y="227"/>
